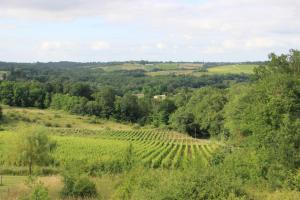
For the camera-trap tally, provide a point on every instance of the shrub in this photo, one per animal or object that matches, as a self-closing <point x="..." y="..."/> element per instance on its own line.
<point x="83" y="187"/>
<point x="78" y="186"/>
<point x="39" y="192"/>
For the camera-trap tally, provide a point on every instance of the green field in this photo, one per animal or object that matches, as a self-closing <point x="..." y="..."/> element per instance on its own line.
<point x="149" y="68"/>
<point x="233" y="69"/>
<point x="225" y="69"/>
<point x="80" y="139"/>
<point x="165" y="69"/>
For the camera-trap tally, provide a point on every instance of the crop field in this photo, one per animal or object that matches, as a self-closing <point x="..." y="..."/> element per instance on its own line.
<point x="233" y="69"/>
<point x="166" y="69"/>
<point x="225" y="69"/>
<point x="91" y="143"/>
<point x="152" y="149"/>
<point x="149" y="68"/>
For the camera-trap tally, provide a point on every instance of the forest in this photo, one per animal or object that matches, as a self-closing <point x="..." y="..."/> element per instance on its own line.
<point x="174" y="136"/>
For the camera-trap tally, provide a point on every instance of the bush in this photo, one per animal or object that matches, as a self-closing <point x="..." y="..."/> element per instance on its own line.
<point x="83" y="187"/>
<point x="39" y="192"/>
<point x="78" y="186"/>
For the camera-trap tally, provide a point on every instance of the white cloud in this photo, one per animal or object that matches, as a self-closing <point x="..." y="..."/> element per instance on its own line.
<point x="260" y="42"/>
<point x="99" y="45"/>
<point x="50" y="45"/>
<point x="160" y="45"/>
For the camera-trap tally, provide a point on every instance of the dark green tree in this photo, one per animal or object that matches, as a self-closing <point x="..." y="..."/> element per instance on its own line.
<point x="105" y="98"/>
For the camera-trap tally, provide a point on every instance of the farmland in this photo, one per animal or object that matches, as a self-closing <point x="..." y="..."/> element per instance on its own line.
<point x="94" y="143"/>
<point x="235" y="69"/>
<point x="191" y="69"/>
<point x="198" y="71"/>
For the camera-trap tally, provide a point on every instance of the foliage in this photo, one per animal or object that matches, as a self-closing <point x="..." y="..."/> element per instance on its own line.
<point x="77" y="185"/>
<point x="27" y="94"/>
<point x="127" y="108"/>
<point x="203" y="114"/>
<point x="105" y="98"/>
<point x="39" y="192"/>
<point x="192" y="183"/>
<point x="162" y="111"/>
<point x="33" y="148"/>
<point x="72" y="104"/>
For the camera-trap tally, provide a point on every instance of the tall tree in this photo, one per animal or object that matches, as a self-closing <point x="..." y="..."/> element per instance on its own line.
<point x="105" y="98"/>
<point x="33" y="148"/>
<point x="127" y="108"/>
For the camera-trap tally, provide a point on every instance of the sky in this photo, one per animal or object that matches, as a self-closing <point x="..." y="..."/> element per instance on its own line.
<point x="157" y="30"/>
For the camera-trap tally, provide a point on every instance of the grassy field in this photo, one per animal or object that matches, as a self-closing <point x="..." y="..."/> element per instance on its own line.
<point x="14" y="187"/>
<point x="57" y="119"/>
<point x="234" y="69"/>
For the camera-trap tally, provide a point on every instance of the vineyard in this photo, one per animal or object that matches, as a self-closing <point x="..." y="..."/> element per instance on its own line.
<point x="101" y="146"/>
<point x="153" y="149"/>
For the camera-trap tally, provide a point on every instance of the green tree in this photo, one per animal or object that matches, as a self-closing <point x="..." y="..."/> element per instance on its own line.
<point x="105" y="98"/>
<point x="184" y="121"/>
<point x="34" y="148"/>
<point x="6" y="92"/>
<point x="284" y="63"/>
<point x="161" y="111"/>
<point x="80" y="89"/>
<point x="127" y="108"/>
<point x="203" y="113"/>
<point x="92" y="108"/>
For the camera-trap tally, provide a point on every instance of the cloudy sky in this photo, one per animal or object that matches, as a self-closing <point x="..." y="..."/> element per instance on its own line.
<point x="178" y="30"/>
